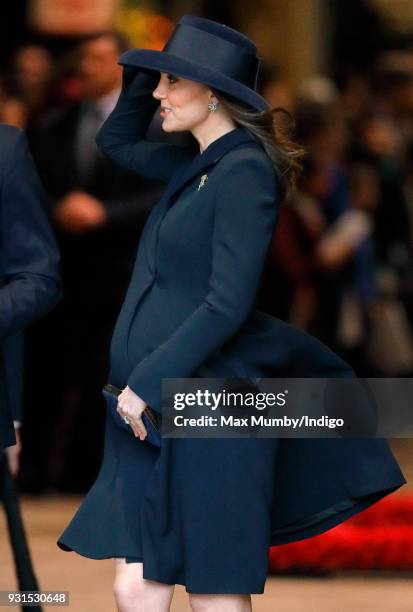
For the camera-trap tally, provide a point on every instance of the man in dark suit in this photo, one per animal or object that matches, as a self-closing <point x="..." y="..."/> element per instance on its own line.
<point x="29" y="288"/>
<point x="29" y="268"/>
<point x="98" y="211"/>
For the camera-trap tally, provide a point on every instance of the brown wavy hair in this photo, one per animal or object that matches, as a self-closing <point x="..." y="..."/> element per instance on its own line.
<point x="276" y="138"/>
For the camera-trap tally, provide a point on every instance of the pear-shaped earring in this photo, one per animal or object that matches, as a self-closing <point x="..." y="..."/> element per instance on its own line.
<point x="213" y="106"/>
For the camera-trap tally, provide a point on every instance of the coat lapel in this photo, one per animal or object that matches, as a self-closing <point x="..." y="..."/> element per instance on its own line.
<point x="200" y="162"/>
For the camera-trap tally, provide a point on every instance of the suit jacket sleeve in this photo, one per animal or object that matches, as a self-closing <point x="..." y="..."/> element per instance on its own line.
<point x="245" y="217"/>
<point x="122" y="136"/>
<point x="30" y="283"/>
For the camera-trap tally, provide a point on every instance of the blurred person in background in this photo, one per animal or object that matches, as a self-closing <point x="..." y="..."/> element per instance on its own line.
<point x="25" y="89"/>
<point x="290" y="291"/>
<point x="392" y="85"/>
<point x="355" y="95"/>
<point x="348" y="242"/>
<point x="98" y="212"/>
<point x="275" y="87"/>
<point x="30" y="79"/>
<point x="379" y="142"/>
<point x="321" y="129"/>
<point x="13" y="111"/>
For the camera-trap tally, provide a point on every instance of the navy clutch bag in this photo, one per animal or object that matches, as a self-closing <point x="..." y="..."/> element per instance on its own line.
<point x="149" y="417"/>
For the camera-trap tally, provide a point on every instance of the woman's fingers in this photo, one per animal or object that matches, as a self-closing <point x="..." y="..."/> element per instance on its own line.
<point x="138" y="427"/>
<point x="134" y="420"/>
<point x="132" y="407"/>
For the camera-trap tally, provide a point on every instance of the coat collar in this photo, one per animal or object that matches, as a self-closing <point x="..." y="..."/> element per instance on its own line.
<point x="218" y="147"/>
<point x="213" y="152"/>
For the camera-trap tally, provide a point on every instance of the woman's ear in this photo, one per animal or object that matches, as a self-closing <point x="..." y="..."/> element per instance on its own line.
<point x="213" y="101"/>
<point x="212" y="97"/>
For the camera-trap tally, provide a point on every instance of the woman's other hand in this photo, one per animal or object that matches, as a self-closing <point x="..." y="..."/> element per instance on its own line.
<point x="132" y="406"/>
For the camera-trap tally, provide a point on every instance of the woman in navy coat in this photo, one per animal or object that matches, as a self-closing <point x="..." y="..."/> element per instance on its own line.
<point x="203" y="512"/>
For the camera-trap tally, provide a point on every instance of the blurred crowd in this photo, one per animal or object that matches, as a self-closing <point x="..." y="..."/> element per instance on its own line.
<point x="341" y="258"/>
<point x="340" y="263"/>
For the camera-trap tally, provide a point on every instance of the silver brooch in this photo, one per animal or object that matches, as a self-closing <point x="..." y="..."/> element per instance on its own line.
<point x="203" y="180"/>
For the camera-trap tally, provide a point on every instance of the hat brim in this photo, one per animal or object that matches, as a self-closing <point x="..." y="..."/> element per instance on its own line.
<point x="162" y="61"/>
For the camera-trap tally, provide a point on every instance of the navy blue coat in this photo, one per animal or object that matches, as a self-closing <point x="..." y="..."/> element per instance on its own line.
<point x="29" y="268"/>
<point x="190" y="307"/>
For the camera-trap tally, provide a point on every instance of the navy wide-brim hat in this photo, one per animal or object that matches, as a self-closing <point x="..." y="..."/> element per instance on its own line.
<point x="209" y="52"/>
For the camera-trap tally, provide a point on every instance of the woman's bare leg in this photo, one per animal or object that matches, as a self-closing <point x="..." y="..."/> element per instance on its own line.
<point x="133" y="593"/>
<point x="220" y="603"/>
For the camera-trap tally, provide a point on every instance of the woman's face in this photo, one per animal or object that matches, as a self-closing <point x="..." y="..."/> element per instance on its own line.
<point x="185" y="102"/>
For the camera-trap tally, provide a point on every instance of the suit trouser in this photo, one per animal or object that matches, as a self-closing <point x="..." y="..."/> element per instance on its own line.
<point x="23" y="564"/>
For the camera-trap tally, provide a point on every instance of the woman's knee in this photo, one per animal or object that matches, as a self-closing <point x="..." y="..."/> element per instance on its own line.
<point x="128" y="586"/>
<point x="218" y="603"/>
<point x="135" y="594"/>
<point x="200" y="603"/>
<point x="128" y="592"/>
